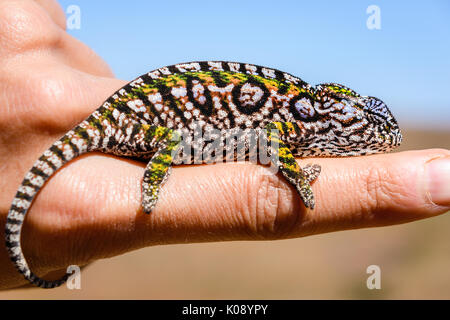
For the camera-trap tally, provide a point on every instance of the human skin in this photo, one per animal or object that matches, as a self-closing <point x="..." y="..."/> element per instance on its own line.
<point x="90" y="209"/>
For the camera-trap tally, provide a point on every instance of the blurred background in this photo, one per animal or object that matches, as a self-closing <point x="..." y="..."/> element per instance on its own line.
<point x="397" y="51"/>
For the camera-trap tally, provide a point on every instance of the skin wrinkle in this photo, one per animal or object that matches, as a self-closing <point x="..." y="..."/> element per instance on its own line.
<point x="274" y="216"/>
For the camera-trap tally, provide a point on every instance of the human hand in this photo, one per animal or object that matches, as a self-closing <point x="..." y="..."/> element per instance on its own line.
<point x="91" y="208"/>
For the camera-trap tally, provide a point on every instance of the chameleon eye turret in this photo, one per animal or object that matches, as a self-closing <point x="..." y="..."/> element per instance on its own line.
<point x="147" y="117"/>
<point x="385" y="125"/>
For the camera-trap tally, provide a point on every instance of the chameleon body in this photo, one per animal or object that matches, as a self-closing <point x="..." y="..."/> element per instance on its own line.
<point x="146" y="118"/>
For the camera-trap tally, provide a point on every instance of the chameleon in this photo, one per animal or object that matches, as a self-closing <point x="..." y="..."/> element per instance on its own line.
<point x="146" y="119"/>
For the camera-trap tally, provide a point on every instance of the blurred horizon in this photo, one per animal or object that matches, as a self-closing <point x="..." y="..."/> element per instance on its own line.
<point x="405" y="63"/>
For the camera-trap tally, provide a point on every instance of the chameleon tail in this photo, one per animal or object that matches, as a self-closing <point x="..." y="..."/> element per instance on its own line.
<point x="76" y="142"/>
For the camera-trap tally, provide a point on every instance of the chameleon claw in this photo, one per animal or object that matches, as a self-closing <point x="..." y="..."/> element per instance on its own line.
<point x="306" y="194"/>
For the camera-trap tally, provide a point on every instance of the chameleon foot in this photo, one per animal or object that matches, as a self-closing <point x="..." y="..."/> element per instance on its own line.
<point x="306" y="193"/>
<point x="311" y="172"/>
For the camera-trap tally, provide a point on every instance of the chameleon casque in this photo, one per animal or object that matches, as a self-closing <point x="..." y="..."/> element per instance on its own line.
<point x="145" y="119"/>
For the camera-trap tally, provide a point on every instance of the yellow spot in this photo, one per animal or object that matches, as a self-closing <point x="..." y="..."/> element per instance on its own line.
<point x="290" y="126"/>
<point x="284" y="152"/>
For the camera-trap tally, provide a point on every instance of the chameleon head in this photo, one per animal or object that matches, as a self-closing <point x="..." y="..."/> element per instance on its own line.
<point x="339" y="122"/>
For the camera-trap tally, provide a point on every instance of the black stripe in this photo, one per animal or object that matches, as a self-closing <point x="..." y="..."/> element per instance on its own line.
<point x="17" y="209"/>
<point x="58" y="152"/>
<point x="12" y="244"/>
<point x="28" y="183"/>
<point x="111" y="142"/>
<point x="122" y="107"/>
<point x="226" y="66"/>
<point x="288" y="160"/>
<point x="83" y="134"/>
<point x="167" y="96"/>
<point x="259" y="71"/>
<point x="102" y="109"/>
<point x="15" y="258"/>
<point x="95" y="122"/>
<point x="21" y="195"/>
<point x="9" y="232"/>
<point x="74" y="147"/>
<point x="146" y="102"/>
<point x="283" y="88"/>
<point x="111" y="119"/>
<point x="39" y="172"/>
<point x="173" y="69"/>
<point x="48" y="162"/>
<point x="136" y="129"/>
<point x="13" y="221"/>
<point x="218" y="80"/>
<point x="279" y="75"/>
<point x="204" y="66"/>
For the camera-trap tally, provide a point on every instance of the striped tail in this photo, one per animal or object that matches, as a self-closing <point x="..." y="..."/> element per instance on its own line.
<point x="74" y="143"/>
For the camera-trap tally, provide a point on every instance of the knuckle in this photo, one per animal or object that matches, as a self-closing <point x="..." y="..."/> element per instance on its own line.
<point x="24" y="25"/>
<point x="271" y="212"/>
<point x="383" y="189"/>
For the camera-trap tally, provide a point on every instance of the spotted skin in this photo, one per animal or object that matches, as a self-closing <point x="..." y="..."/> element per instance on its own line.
<point x="147" y="118"/>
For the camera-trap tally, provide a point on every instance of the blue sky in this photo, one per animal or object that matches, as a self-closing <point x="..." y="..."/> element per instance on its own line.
<point x="406" y="63"/>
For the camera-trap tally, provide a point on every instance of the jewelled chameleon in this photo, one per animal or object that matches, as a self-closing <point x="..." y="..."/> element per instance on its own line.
<point x="146" y="118"/>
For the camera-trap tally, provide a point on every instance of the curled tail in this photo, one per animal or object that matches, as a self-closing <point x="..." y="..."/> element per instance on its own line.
<point x="76" y="142"/>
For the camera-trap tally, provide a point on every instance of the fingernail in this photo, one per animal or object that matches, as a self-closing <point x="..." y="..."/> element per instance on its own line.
<point x="439" y="180"/>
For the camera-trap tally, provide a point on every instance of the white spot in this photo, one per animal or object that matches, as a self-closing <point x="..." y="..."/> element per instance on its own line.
<point x="136" y="105"/>
<point x="221" y="114"/>
<point x="154" y="74"/>
<point x="80" y="143"/>
<point x="155" y="97"/>
<point x="35" y="179"/>
<point x="179" y="92"/>
<point x="116" y="114"/>
<point x="269" y="73"/>
<point x="251" y="69"/>
<point x="250" y="94"/>
<point x="215" y="66"/>
<point x="21" y="203"/>
<point x="136" y="83"/>
<point x="27" y="190"/>
<point x="234" y="67"/>
<point x="164" y="70"/>
<point x="291" y="78"/>
<point x="184" y="67"/>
